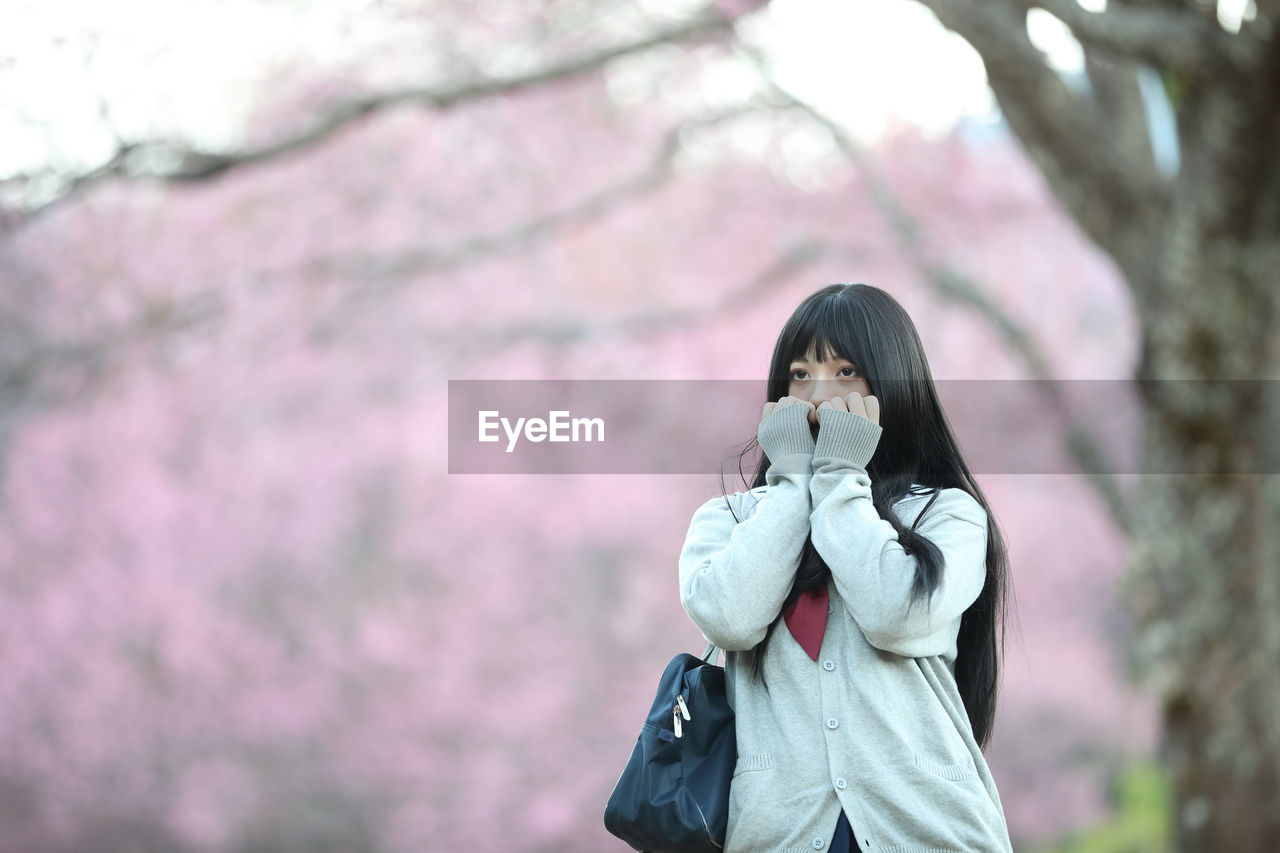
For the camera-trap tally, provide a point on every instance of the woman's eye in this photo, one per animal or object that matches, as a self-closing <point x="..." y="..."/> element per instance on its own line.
<point x="800" y="375"/>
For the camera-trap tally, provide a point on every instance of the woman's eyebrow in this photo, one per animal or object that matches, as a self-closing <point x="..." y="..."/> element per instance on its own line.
<point x="805" y="361"/>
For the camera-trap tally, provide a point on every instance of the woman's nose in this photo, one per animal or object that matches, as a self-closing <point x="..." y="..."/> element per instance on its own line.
<point x="823" y="390"/>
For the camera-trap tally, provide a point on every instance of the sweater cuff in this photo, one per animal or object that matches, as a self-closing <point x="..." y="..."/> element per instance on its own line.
<point x="785" y="431"/>
<point x="846" y="436"/>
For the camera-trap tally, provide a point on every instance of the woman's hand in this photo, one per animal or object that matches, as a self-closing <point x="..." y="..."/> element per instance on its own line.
<point x="773" y="406"/>
<point x="868" y="406"/>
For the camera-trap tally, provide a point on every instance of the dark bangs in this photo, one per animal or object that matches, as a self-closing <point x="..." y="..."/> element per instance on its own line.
<point x="821" y="326"/>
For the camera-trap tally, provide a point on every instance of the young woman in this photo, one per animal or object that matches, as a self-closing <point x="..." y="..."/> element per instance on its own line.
<point x="855" y="590"/>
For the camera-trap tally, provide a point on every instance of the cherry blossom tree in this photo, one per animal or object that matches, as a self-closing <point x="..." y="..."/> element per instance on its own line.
<point x="247" y="606"/>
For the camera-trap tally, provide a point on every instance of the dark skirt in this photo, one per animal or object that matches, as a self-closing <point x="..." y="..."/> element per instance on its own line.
<point x="843" y="842"/>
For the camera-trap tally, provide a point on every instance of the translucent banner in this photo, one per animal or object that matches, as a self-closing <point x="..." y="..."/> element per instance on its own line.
<point x="661" y="426"/>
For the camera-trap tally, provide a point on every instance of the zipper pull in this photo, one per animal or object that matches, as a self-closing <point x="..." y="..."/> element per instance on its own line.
<point x="684" y="709"/>
<point x="675" y="718"/>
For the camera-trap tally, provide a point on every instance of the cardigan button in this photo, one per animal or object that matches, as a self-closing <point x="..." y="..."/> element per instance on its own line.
<point x="828" y="665"/>
<point x="819" y="843"/>
<point x="841" y="783"/>
<point x="832" y="722"/>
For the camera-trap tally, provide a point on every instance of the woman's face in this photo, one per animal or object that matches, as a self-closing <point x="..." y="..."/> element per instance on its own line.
<point x="817" y="381"/>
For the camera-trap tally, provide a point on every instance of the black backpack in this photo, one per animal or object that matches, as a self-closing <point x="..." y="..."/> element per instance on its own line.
<point x="673" y="795"/>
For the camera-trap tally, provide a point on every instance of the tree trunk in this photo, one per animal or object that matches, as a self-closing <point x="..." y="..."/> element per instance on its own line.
<point x="1200" y="248"/>
<point x="1204" y="582"/>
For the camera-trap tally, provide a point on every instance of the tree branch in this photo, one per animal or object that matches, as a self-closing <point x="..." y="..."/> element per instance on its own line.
<point x="376" y="275"/>
<point x="371" y="267"/>
<point x="1122" y="114"/>
<point x="1103" y="191"/>
<point x="1171" y="39"/>
<point x="170" y="160"/>
<point x="792" y="260"/>
<point x="23" y="375"/>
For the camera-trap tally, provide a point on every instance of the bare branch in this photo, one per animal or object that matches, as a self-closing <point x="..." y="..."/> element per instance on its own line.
<point x="94" y="355"/>
<point x="1101" y="188"/>
<point x="373" y="269"/>
<point x="375" y="276"/>
<point x="23" y="379"/>
<point x="141" y="160"/>
<point x="1122" y="114"/>
<point x="1172" y="39"/>
<point x="793" y="260"/>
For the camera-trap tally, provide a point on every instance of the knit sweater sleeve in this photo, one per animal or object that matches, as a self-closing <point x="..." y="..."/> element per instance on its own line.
<point x="736" y="574"/>
<point x="870" y="568"/>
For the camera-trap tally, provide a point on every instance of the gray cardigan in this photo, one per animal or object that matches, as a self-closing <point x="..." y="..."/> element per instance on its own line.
<point x="876" y="726"/>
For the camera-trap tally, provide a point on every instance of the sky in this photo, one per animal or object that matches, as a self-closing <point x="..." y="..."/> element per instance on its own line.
<point x="193" y="68"/>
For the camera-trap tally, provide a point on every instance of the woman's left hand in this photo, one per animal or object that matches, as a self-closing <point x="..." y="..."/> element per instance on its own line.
<point x="868" y="406"/>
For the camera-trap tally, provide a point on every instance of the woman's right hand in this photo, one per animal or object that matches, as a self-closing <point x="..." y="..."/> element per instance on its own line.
<point x="772" y="406"/>
<point x="793" y="432"/>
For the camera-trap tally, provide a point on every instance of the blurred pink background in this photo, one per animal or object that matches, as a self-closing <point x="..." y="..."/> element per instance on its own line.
<point x="246" y="607"/>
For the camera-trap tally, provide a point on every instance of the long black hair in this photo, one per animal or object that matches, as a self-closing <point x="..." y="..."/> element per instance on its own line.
<point x="868" y="327"/>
